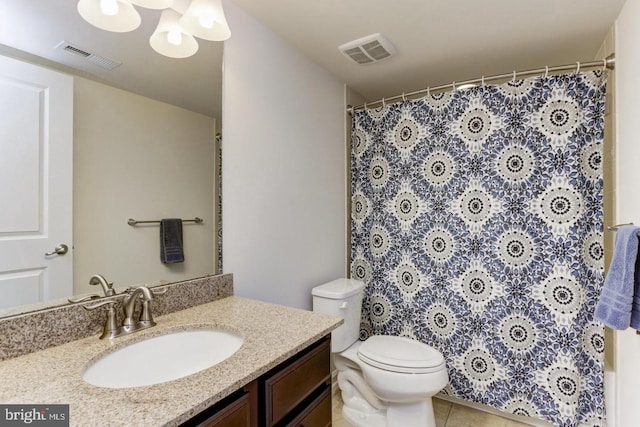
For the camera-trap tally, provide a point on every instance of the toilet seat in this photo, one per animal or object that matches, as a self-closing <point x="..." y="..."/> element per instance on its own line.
<point x="400" y="354"/>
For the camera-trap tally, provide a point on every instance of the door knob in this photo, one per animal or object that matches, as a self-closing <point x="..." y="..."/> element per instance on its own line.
<point x="61" y="249"/>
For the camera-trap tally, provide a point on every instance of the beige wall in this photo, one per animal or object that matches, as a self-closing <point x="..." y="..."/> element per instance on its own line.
<point x="135" y="157"/>
<point x="283" y="167"/>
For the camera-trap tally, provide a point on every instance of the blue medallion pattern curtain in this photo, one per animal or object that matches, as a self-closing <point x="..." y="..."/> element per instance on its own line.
<point x="477" y="229"/>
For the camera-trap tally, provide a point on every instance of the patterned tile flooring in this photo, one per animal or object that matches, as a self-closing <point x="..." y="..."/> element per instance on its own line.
<point x="447" y="414"/>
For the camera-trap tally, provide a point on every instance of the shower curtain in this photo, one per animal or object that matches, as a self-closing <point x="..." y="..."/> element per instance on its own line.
<point x="477" y="229"/>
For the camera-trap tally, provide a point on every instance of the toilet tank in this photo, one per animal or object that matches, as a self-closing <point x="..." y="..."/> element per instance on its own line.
<point x="342" y="298"/>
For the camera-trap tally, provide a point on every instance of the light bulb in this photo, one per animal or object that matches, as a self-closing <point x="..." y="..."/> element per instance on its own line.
<point x="109" y="7"/>
<point x="207" y="20"/>
<point x="174" y="37"/>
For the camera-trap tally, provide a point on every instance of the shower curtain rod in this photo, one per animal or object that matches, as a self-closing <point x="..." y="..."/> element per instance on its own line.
<point x="609" y="63"/>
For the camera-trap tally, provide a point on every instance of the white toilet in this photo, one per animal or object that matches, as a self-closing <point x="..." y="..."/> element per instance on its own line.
<point x="385" y="380"/>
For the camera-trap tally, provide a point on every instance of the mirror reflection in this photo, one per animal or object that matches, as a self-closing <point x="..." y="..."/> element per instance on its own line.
<point x="131" y="157"/>
<point x="137" y="158"/>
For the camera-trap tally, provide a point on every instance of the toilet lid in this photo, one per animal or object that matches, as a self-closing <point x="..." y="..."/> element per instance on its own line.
<point x="400" y="354"/>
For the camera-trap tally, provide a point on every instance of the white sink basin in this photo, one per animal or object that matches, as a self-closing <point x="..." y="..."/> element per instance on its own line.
<point x="162" y="358"/>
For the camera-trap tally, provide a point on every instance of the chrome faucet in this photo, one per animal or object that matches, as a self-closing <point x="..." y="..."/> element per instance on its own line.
<point x="129" y="324"/>
<point x="98" y="279"/>
<point x="145" y="320"/>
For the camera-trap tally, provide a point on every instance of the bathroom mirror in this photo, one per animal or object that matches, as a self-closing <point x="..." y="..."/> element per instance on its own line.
<point x="144" y="145"/>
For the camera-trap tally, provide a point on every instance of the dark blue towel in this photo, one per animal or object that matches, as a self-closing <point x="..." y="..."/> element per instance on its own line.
<point x="635" y="307"/>
<point x="616" y="303"/>
<point x="171" y="241"/>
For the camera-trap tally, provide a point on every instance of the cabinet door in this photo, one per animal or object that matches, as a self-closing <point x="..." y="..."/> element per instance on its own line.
<point x="296" y="381"/>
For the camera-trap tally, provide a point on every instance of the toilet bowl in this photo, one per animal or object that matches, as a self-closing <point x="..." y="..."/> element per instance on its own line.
<point x="385" y="380"/>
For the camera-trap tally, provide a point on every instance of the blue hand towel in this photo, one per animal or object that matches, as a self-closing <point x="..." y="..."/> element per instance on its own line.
<point x="171" y="241"/>
<point x="616" y="300"/>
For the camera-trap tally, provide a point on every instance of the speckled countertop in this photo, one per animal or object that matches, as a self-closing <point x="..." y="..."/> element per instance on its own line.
<point x="272" y="333"/>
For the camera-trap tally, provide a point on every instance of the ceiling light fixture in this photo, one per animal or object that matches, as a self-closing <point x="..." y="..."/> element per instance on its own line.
<point x="205" y="19"/>
<point x="118" y="16"/>
<point x="180" y="21"/>
<point x="171" y="39"/>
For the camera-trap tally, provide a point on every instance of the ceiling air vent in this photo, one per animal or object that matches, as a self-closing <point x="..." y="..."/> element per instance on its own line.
<point x="101" y="61"/>
<point x="369" y="49"/>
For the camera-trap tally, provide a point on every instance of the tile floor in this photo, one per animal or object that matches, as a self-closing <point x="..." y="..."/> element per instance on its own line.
<point x="447" y="415"/>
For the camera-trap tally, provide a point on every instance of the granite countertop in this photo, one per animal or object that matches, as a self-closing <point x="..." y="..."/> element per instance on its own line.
<point x="272" y="333"/>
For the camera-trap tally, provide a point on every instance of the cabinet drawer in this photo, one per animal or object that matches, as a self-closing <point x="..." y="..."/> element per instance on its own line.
<point x="240" y="409"/>
<point x="292" y="384"/>
<point x="317" y="414"/>
<point x="237" y="414"/>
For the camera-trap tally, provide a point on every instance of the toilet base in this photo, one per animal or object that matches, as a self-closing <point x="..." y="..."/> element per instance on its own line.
<point x="364" y="419"/>
<point x="411" y="414"/>
<point x="417" y="414"/>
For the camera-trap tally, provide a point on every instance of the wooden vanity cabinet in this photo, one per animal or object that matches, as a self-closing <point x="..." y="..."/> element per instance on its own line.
<point x="295" y="393"/>
<point x="296" y="387"/>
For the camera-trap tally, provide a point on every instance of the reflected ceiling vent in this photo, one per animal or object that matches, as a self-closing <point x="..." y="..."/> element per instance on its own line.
<point x="101" y="61"/>
<point x="369" y="49"/>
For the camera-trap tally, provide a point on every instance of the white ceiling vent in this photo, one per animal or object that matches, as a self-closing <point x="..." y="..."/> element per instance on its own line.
<point x="101" y="61"/>
<point x="369" y="49"/>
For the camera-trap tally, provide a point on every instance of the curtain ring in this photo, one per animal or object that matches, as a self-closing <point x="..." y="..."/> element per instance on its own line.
<point x="578" y="67"/>
<point x="383" y="106"/>
<point x="546" y="71"/>
<point x="604" y="65"/>
<point x="482" y="81"/>
<point x="365" y="105"/>
<point x="454" y="86"/>
<point x="428" y="91"/>
<point x="403" y="97"/>
<point x="514" y="76"/>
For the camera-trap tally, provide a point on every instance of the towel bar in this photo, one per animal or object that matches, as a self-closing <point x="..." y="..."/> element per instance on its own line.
<point x="617" y="227"/>
<point x="132" y="222"/>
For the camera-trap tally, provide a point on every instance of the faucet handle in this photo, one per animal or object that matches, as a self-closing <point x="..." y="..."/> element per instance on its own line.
<point x="84" y="298"/>
<point x="99" y="304"/>
<point x="146" y="318"/>
<point x="110" y="330"/>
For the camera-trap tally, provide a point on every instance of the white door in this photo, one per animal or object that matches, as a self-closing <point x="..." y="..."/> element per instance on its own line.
<point x="36" y="148"/>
